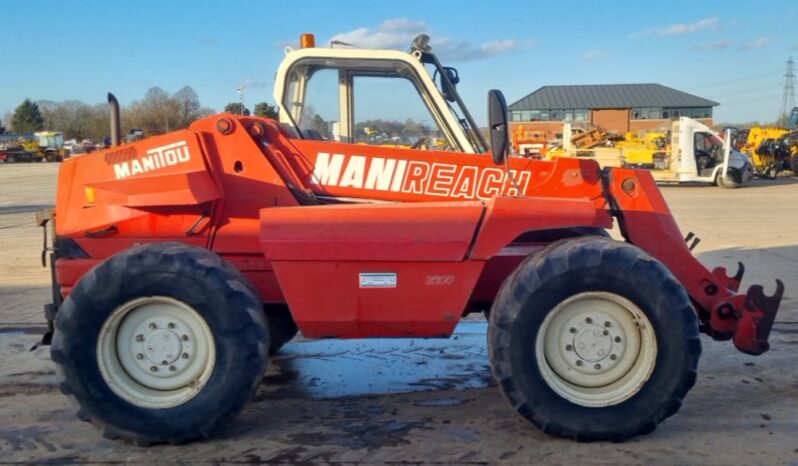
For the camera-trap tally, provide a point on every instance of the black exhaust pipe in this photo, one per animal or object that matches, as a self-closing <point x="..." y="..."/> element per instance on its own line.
<point x="114" y="119"/>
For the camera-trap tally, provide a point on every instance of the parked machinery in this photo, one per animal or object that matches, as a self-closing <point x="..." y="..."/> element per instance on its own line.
<point x="765" y="149"/>
<point x="43" y="146"/>
<point x="689" y="152"/>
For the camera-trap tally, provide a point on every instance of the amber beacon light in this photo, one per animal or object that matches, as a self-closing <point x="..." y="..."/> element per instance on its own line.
<point x="307" y="40"/>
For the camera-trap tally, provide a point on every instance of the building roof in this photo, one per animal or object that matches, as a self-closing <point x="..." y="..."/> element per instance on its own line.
<point x="609" y="96"/>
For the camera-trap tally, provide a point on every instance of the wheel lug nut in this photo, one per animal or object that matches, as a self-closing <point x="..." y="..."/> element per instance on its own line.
<point x="172" y="368"/>
<point x="171" y="325"/>
<point x="607" y="324"/>
<point x="573" y="330"/>
<point x="617" y="339"/>
<point x="569" y="348"/>
<point x="597" y="366"/>
<point x="152" y="325"/>
<point x="139" y="356"/>
<point x="153" y="369"/>
<point x="184" y="356"/>
<point x="588" y="320"/>
<point x="164" y="362"/>
<point x="184" y="338"/>
<point x="613" y="357"/>
<point x="606" y="332"/>
<point x="139" y="337"/>
<point x="579" y="362"/>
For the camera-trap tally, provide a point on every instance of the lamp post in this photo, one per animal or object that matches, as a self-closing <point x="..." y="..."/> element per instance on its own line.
<point x="240" y="90"/>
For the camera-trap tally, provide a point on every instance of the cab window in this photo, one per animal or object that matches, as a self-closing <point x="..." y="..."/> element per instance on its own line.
<point x="707" y="142"/>
<point x="387" y="110"/>
<point x="312" y="99"/>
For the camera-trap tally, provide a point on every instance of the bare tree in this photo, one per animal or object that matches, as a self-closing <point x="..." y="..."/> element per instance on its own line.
<point x="188" y="106"/>
<point x="156" y="113"/>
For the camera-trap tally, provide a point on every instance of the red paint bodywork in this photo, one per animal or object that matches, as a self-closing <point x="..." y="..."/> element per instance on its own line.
<point x="448" y="225"/>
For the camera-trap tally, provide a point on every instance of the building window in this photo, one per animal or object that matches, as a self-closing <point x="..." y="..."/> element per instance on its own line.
<point x="556" y="114"/>
<point x="647" y="113"/>
<point x="697" y="112"/>
<point x="670" y="113"/>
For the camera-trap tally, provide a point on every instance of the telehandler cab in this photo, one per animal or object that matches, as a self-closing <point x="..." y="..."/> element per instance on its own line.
<point x="181" y="261"/>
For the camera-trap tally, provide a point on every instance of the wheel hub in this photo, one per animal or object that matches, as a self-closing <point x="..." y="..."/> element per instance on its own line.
<point x="162" y="347"/>
<point x="592" y="342"/>
<point x="592" y="345"/>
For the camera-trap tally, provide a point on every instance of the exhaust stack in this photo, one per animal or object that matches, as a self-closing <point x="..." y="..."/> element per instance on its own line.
<point x="114" y="119"/>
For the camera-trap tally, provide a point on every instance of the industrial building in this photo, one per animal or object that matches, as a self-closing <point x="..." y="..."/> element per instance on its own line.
<point x="617" y="108"/>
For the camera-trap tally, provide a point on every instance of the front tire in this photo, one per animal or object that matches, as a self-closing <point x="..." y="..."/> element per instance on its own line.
<point x="160" y="343"/>
<point x="593" y="339"/>
<point x="282" y="327"/>
<point x="730" y="181"/>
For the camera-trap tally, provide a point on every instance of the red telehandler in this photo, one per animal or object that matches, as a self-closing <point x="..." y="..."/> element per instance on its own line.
<point x="181" y="261"/>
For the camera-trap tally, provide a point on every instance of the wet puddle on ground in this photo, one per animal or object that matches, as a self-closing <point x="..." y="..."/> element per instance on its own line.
<point x="341" y="368"/>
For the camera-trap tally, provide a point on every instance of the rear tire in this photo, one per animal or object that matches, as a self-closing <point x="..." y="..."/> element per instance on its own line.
<point x="160" y="343"/>
<point x="561" y="317"/>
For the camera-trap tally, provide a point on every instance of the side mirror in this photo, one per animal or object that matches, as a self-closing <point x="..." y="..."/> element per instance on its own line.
<point x="449" y="85"/>
<point x="497" y="125"/>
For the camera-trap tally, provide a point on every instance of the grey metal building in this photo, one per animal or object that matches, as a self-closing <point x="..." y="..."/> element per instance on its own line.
<point x="615" y="107"/>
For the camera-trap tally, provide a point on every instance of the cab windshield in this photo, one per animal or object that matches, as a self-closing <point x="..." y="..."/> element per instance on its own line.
<point x="364" y="101"/>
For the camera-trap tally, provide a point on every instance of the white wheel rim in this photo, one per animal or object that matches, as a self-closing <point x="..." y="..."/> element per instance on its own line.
<point x="156" y="352"/>
<point x="596" y="349"/>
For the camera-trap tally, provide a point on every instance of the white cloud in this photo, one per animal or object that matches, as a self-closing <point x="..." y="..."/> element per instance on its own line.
<point x="714" y="45"/>
<point x="398" y="33"/>
<point x="679" y="28"/>
<point x="688" y="28"/>
<point x="758" y="44"/>
<point x="595" y="55"/>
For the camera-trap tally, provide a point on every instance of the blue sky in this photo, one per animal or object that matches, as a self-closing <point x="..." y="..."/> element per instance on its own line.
<point x="733" y="52"/>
